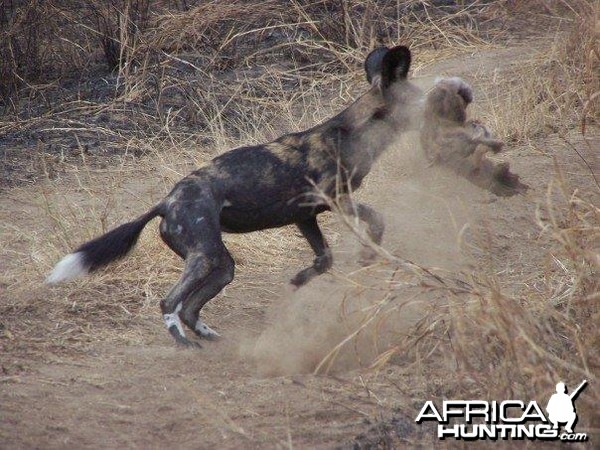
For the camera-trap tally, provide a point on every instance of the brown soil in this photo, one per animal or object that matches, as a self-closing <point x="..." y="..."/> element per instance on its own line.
<point x="254" y="389"/>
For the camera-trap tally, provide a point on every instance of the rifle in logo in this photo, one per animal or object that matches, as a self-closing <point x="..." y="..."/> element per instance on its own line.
<point x="561" y="408"/>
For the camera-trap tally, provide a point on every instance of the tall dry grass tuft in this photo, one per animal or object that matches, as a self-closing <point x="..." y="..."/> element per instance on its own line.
<point x="169" y="54"/>
<point x="582" y="57"/>
<point x="472" y="334"/>
<point x="463" y="329"/>
<point x="119" y="22"/>
<point x="33" y="47"/>
<point x="557" y="88"/>
<point x="504" y="346"/>
<point x="19" y="45"/>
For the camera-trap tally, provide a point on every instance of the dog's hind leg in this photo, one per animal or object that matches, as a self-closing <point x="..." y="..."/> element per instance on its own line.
<point x="206" y="273"/>
<point x="171" y="306"/>
<point x="191" y="228"/>
<point x="221" y="274"/>
<point x="324" y="260"/>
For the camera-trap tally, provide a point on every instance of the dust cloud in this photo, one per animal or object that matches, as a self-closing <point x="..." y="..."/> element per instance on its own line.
<point x="427" y="210"/>
<point x="315" y="329"/>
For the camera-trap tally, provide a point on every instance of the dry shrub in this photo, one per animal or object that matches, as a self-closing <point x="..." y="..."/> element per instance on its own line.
<point x="19" y="45"/>
<point x="575" y="77"/>
<point x="558" y="89"/>
<point x="42" y="41"/>
<point x="496" y="345"/>
<point x="219" y="64"/>
<point x="119" y="22"/>
<point x="336" y="34"/>
<point x="34" y="46"/>
<point x="500" y="345"/>
<point x="217" y="32"/>
<point x="339" y="34"/>
<point x="201" y="67"/>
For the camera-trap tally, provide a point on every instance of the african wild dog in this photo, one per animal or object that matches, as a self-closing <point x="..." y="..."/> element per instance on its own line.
<point x="448" y="138"/>
<point x="266" y="186"/>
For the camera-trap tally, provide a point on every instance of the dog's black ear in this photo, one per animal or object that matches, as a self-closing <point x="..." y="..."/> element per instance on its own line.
<point x="373" y="63"/>
<point x="395" y="65"/>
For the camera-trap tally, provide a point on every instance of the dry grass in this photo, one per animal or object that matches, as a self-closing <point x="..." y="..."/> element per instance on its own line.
<point x="194" y="84"/>
<point x="499" y="345"/>
<point x="183" y="81"/>
<point x="557" y="89"/>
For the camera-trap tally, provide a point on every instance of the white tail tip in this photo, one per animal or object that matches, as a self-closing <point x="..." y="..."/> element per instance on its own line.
<point x="70" y="267"/>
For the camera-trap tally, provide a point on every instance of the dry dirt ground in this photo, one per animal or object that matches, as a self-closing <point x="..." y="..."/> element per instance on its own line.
<point x="254" y="388"/>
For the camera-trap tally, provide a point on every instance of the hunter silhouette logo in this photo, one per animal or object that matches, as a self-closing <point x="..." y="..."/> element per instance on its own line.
<point x="560" y="406"/>
<point x="509" y="419"/>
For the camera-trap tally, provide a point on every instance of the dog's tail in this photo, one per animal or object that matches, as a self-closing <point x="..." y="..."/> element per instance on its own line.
<point x="103" y="250"/>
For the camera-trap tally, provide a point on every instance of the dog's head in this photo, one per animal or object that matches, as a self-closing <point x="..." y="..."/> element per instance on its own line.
<point x="387" y="72"/>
